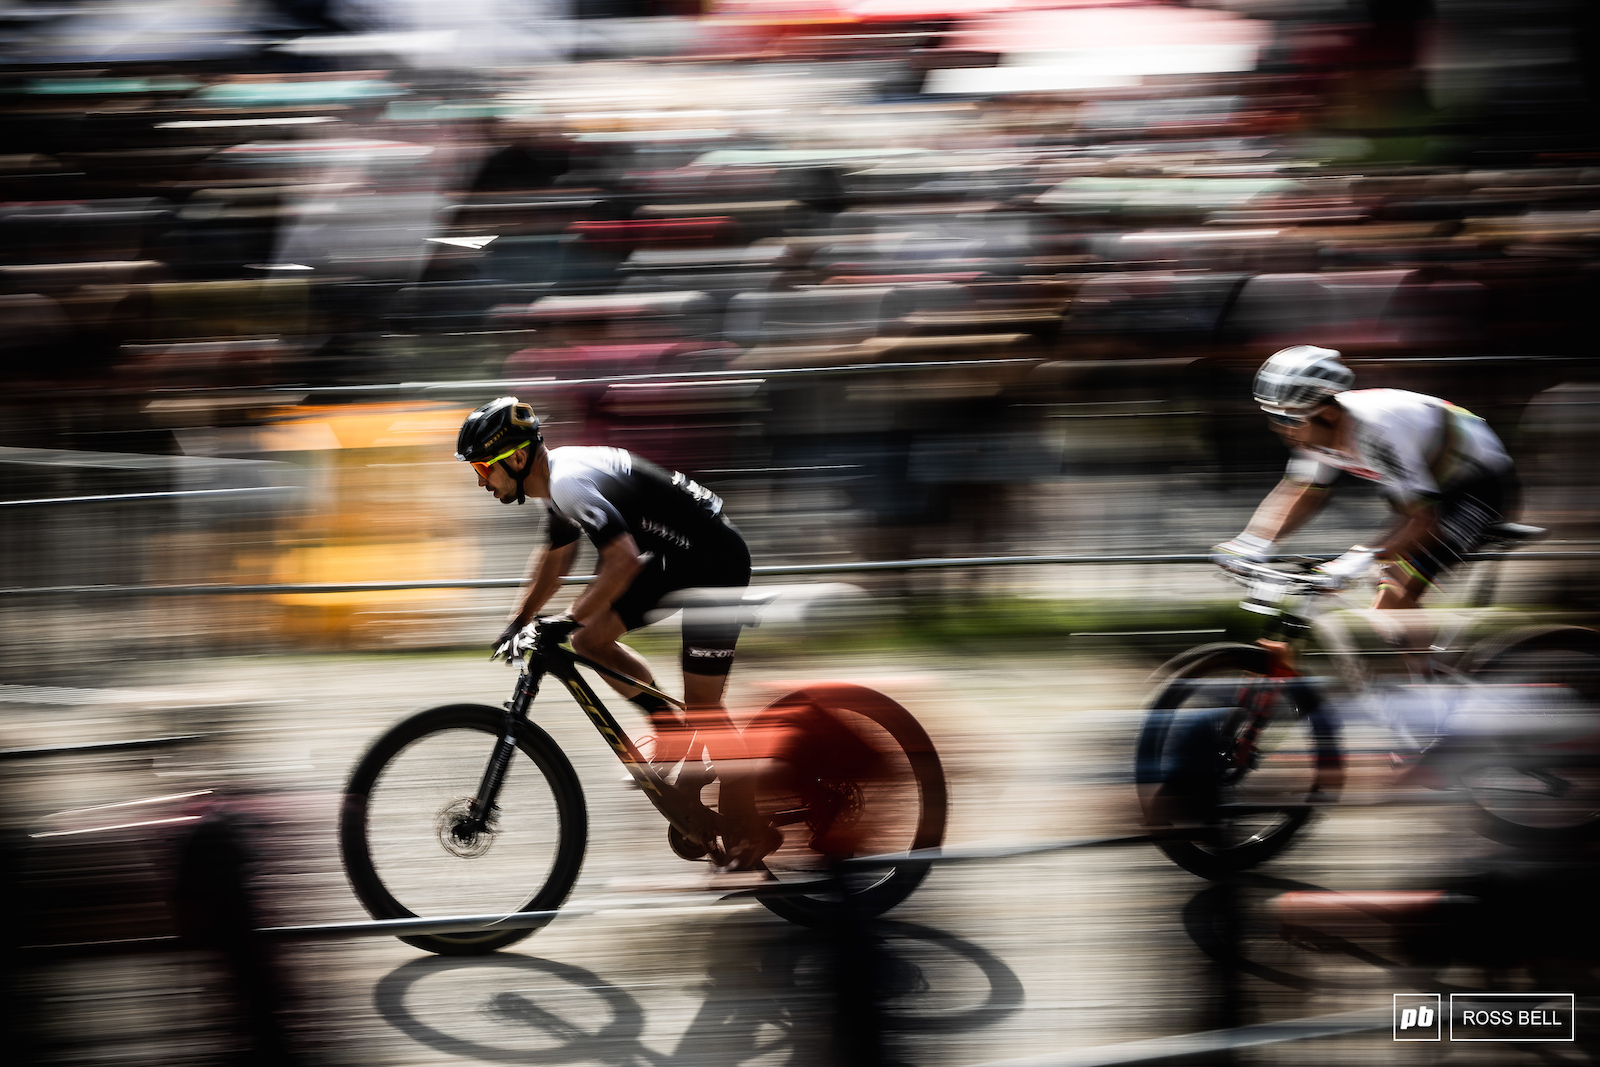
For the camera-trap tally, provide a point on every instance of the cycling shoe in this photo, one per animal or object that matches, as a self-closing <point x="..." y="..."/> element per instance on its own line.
<point x="747" y="853"/>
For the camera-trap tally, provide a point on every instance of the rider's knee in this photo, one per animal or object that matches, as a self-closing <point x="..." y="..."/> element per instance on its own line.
<point x="1400" y="586"/>
<point x="591" y="644"/>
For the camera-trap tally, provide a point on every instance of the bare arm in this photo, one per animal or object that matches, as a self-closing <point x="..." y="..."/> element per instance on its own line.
<point x="1417" y="525"/>
<point x="619" y="564"/>
<point x="546" y="568"/>
<point x="1288" y="507"/>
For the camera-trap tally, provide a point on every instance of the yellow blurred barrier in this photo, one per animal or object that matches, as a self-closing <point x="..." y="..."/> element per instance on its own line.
<point x="382" y="505"/>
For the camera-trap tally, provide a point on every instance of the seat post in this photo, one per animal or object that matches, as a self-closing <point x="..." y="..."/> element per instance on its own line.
<point x="1483" y="593"/>
<point x="1500" y="537"/>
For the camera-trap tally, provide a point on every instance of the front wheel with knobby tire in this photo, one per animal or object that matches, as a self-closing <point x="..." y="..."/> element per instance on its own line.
<point x="1232" y="795"/>
<point x="412" y="847"/>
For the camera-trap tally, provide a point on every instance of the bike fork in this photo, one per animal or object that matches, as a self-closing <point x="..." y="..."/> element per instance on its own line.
<point x="494" y="775"/>
<point x="1258" y="703"/>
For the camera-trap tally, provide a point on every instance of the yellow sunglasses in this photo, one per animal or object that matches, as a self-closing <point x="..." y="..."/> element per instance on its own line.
<point x="482" y="465"/>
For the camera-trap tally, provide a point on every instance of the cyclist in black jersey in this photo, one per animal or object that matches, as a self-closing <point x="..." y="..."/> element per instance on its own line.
<point x="656" y="533"/>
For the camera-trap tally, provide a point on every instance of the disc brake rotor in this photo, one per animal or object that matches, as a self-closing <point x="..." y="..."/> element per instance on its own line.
<point x="457" y="833"/>
<point x="834" y="804"/>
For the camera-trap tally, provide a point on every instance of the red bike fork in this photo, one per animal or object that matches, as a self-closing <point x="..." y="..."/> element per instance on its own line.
<point x="1257" y="701"/>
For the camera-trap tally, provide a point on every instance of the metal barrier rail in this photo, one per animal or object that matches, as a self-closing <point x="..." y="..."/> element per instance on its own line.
<point x="474" y="389"/>
<point x="116" y="498"/>
<point x="1004" y="852"/>
<point x="92" y="748"/>
<point x="477" y="388"/>
<point x="502" y="386"/>
<point x="522" y="920"/>
<point x="461" y="924"/>
<point x="861" y="567"/>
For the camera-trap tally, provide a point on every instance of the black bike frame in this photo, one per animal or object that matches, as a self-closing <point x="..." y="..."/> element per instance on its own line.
<point x="684" y="811"/>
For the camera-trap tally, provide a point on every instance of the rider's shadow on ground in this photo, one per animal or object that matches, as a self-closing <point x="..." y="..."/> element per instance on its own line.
<point x="1233" y="925"/>
<point x="775" y="994"/>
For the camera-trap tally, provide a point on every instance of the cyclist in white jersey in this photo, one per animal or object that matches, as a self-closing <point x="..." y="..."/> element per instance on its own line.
<point x="1443" y="470"/>
<point x="656" y="532"/>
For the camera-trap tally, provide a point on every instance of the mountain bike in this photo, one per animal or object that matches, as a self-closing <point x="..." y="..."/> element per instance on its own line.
<point x="1240" y="747"/>
<point x="470" y="807"/>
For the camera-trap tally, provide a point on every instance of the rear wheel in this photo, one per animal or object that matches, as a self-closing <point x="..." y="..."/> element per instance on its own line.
<point x="410" y="847"/>
<point x="1537" y="781"/>
<point x="851" y="773"/>
<point x="1198" y="768"/>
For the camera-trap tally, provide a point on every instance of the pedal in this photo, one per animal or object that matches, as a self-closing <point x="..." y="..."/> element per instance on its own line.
<point x="683" y="847"/>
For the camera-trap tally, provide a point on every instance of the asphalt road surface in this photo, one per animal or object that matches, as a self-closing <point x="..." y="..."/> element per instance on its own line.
<point x="1080" y="956"/>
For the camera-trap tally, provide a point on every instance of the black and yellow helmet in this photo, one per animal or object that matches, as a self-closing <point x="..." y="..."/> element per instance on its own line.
<point x="497" y="427"/>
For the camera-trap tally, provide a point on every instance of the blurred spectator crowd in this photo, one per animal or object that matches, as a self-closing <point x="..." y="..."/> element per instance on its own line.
<point x="836" y="243"/>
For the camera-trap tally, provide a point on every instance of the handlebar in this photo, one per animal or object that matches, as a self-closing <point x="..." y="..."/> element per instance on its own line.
<point x="1270" y="588"/>
<point x="543" y="632"/>
<point x="1301" y="582"/>
<point x="552" y="629"/>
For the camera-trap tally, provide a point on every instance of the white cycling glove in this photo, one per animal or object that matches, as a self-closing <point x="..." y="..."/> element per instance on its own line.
<point x="1246" y="546"/>
<point x="1351" y="567"/>
<point x="507" y="644"/>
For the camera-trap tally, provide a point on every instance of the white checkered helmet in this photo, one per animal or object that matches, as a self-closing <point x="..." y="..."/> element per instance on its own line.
<point x="1300" y="379"/>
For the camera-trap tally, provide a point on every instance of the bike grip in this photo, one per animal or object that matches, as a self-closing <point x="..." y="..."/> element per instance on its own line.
<point x="557" y="627"/>
<point x="1249" y="547"/>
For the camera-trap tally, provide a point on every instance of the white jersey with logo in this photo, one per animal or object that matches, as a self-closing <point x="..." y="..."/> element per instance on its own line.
<point x="1416" y="446"/>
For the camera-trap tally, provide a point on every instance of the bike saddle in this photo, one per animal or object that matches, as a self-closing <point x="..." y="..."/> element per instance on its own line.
<point x="760" y="604"/>
<point x="1514" y="531"/>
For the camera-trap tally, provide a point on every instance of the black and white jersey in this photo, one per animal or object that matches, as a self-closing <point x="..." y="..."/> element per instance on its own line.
<point x="1416" y="446"/>
<point x="607" y="492"/>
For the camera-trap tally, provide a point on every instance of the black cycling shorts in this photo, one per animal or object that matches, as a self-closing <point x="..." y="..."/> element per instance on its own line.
<point x="1466" y="511"/>
<point x="719" y="572"/>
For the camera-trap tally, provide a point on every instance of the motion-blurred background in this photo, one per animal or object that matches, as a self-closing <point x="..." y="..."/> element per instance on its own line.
<point x="899" y="279"/>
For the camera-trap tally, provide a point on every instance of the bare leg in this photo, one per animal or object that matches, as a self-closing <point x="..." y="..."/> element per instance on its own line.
<point x="1399" y="591"/>
<point x="598" y="640"/>
<point x="703" y="694"/>
<point x="709" y="718"/>
<point x="706" y="721"/>
<point x="1398" y="597"/>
